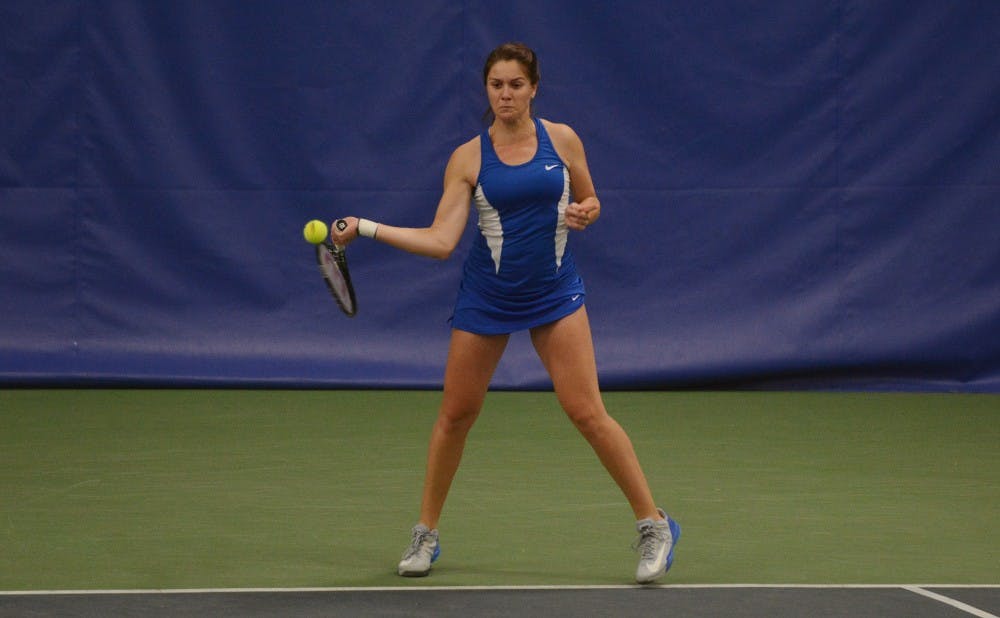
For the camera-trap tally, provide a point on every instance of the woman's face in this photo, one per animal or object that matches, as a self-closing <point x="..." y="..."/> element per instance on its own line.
<point x="509" y="90"/>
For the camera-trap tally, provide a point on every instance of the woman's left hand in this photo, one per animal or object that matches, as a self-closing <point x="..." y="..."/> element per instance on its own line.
<point x="580" y="215"/>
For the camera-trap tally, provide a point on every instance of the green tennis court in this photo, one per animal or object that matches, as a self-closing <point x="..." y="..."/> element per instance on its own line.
<point x="161" y="489"/>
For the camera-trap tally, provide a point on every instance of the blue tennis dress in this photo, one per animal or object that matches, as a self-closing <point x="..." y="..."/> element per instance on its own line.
<point x="519" y="273"/>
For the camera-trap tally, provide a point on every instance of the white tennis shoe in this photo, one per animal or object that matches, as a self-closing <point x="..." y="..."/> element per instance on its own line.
<point x="424" y="549"/>
<point x="657" y="539"/>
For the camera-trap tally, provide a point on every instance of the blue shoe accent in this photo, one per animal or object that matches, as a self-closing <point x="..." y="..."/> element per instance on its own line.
<point x="437" y="552"/>
<point x="675" y="532"/>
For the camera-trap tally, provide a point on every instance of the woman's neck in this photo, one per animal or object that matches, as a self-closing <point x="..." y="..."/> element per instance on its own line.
<point x="512" y="132"/>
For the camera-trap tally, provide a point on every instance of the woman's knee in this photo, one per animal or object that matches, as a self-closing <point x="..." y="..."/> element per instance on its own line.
<point x="590" y="420"/>
<point x="455" y="419"/>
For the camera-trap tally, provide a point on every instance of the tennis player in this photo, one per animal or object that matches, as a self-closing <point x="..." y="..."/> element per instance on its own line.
<point x="528" y="179"/>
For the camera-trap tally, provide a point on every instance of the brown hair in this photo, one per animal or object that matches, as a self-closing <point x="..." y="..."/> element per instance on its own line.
<point x="514" y="51"/>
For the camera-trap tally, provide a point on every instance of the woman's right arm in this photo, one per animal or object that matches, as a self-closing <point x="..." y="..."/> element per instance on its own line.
<point x="440" y="239"/>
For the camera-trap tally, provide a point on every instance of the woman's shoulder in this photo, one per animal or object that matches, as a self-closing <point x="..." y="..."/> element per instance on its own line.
<point x="472" y="144"/>
<point x="465" y="160"/>
<point x="565" y="140"/>
<point x="469" y="151"/>
<point x="559" y="131"/>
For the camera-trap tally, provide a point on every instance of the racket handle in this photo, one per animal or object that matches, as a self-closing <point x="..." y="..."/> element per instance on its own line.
<point x="341" y="225"/>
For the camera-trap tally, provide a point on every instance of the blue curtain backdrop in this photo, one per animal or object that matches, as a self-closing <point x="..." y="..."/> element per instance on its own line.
<point x="796" y="193"/>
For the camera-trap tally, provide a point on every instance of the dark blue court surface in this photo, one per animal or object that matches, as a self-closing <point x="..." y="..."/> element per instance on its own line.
<point x="816" y="602"/>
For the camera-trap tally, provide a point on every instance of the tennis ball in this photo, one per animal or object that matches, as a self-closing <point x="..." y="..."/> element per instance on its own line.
<point x="315" y="231"/>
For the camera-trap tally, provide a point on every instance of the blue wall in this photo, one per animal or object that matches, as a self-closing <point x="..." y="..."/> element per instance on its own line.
<point x="796" y="193"/>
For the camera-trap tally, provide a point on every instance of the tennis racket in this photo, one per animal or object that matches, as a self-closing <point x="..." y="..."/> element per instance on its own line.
<point x="332" y="262"/>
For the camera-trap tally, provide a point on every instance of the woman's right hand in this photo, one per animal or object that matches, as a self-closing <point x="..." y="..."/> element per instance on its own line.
<point x="343" y="237"/>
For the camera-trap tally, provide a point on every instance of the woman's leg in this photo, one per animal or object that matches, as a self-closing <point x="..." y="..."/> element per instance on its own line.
<point x="567" y="351"/>
<point x="472" y="360"/>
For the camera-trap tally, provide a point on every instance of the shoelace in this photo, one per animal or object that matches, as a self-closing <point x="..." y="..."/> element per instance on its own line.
<point x="646" y="543"/>
<point x="416" y="543"/>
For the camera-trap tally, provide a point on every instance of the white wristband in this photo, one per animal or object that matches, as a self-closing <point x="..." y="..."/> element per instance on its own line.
<point x="367" y="228"/>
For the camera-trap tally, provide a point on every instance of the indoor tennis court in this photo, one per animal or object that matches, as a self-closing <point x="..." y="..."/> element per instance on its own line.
<point x="790" y="263"/>
<point x="275" y="501"/>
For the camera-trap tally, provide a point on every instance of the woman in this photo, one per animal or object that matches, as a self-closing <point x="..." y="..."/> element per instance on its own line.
<point x="520" y="275"/>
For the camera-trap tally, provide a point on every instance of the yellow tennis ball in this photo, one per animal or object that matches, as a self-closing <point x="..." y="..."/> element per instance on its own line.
<point x="315" y="231"/>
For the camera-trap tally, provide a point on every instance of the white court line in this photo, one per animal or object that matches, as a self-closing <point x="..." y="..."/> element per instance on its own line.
<point x="975" y="611"/>
<point x="916" y="588"/>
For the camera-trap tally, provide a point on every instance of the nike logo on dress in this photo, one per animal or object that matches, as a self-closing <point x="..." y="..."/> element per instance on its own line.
<point x="551" y="167"/>
<point x="575" y="297"/>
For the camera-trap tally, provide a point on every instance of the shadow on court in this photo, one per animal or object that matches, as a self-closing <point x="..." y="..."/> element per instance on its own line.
<point x="819" y="602"/>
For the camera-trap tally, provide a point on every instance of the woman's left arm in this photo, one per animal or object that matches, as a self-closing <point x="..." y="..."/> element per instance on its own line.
<point x="585" y="208"/>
